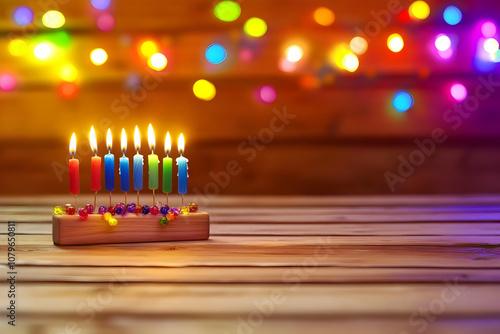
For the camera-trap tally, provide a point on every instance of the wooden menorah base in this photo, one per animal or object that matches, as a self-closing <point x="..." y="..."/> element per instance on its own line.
<point x="71" y="230"/>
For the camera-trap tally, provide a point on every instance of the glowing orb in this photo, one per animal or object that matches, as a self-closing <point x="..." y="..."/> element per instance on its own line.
<point x="215" y="54"/>
<point x="148" y="48"/>
<point x="287" y="66"/>
<point x="157" y="62"/>
<point x="294" y="53"/>
<point x="255" y="27"/>
<point x="53" y="19"/>
<point x="67" y="90"/>
<point x="458" y="91"/>
<point x="17" y="47"/>
<point x="442" y="43"/>
<point x="350" y="62"/>
<point x="22" y="16"/>
<point x="452" y="15"/>
<point x="419" y="10"/>
<point x="358" y="45"/>
<point x="7" y="82"/>
<point x="43" y="51"/>
<point x="491" y="45"/>
<point x="395" y="43"/>
<point x="105" y="22"/>
<point x="488" y="29"/>
<point x="267" y="94"/>
<point x="204" y="90"/>
<point x="227" y="11"/>
<point x="100" y="4"/>
<point x="402" y="101"/>
<point x="98" y="56"/>
<point x="68" y="73"/>
<point x="324" y="16"/>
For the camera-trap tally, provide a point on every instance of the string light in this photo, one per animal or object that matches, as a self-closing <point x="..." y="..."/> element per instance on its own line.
<point x="67" y="90"/>
<point x="395" y="43"/>
<point x="17" y="47"/>
<point x="324" y="16"/>
<point x="458" y="92"/>
<point x="68" y="73"/>
<point x="22" y="16"/>
<point x="358" y="45"/>
<point x="204" y="90"/>
<point x="53" y="19"/>
<point x="488" y="29"/>
<point x="157" y="62"/>
<point x="294" y="53"/>
<point x="215" y="53"/>
<point x="402" y="101"/>
<point x="267" y="94"/>
<point x="100" y="4"/>
<point x="148" y="48"/>
<point x="42" y="51"/>
<point x="452" y="15"/>
<point x="105" y="22"/>
<point x="98" y="56"/>
<point x="419" y="10"/>
<point x="7" y="82"/>
<point x="491" y="45"/>
<point x="227" y="11"/>
<point x="442" y="42"/>
<point x="350" y="62"/>
<point x="255" y="27"/>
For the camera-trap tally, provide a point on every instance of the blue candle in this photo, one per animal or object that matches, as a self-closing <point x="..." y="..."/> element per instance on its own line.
<point x="138" y="161"/>
<point x="182" y="169"/>
<point x="124" y="169"/>
<point x="109" y="164"/>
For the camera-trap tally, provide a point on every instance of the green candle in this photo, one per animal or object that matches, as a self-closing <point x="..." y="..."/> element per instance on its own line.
<point x="152" y="160"/>
<point x="167" y="166"/>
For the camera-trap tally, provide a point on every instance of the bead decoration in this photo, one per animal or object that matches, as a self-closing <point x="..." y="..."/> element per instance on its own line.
<point x="89" y="208"/>
<point x="185" y="210"/>
<point x="145" y="209"/>
<point x="138" y="209"/>
<point x="163" y="221"/>
<point x="154" y="210"/>
<point x="130" y="207"/>
<point x="102" y="210"/>
<point x="58" y="210"/>
<point x="83" y="213"/>
<point x="70" y="210"/>
<point x="164" y="209"/>
<point x="112" y="222"/>
<point x="193" y="207"/>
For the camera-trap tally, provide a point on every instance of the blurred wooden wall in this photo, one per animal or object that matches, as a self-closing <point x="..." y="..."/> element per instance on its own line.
<point x="343" y="137"/>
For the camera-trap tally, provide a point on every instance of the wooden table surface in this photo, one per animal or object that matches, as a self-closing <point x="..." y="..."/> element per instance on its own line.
<point x="388" y="265"/>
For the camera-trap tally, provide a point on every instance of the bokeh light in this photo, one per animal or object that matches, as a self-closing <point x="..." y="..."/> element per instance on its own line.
<point x="452" y="15"/>
<point x="22" y="16"/>
<point x="491" y="45"/>
<point x="358" y="45"/>
<point x="7" y="82"/>
<point x="442" y="42"/>
<point x="395" y="43"/>
<point x="458" y="92"/>
<point x="148" y="48"/>
<point x="105" y="22"/>
<point x="215" y="53"/>
<point x="53" y="19"/>
<point x="337" y="54"/>
<point x="287" y="66"/>
<point x="324" y="16"/>
<point x="227" y="11"/>
<point x="100" y="4"/>
<point x="255" y="27"/>
<point x="42" y="51"/>
<point x="68" y="73"/>
<point x="402" y="101"/>
<point x="67" y="90"/>
<point x="350" y="62"/>
<point x="267" y="94"/>
<point x="157" y="62"/>
<point x="294" y="53"/>
<point x="98" y="56"/>
<point x="204" y="90"/>
<point x="18" y="47"/>
<point x="419" y="10"/>
<point x="488" y="29"/>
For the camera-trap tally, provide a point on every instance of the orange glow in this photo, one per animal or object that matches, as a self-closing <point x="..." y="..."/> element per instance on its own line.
<point x="151" y="138"/>
<point x="180" y="144"/>
<point x="137" y="139"/>
<point x="72" y="146"/>
<point x="168" y="144"/>
<point x="324" y="16"/>
<point x="93" y="140"/>
<point x="124" y="142"/>
<point x="109" y="141"/>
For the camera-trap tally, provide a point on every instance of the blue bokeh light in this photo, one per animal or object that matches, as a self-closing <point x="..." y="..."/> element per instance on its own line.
<point x="22" y="16"/>
<point x="215" y="54"/>
<point x="100" y="4"/>
<point x="402" y="101"/>
<point x="452" y="15"/>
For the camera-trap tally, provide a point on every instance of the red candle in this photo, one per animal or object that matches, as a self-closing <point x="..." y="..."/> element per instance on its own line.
<point x="74" y="168"/>
<point x="95" y="171"/>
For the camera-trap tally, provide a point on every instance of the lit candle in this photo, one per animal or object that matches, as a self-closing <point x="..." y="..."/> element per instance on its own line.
<point x="182" y="169"/>
<point x="124" y="165"/>
<point x="95" y="171"/>
<point x="152" y="160"/>
<point x="138" y="161"/>
<point x="74" y="168"/>
<point x="109" y="164"/>
<point x="167" y="166"/>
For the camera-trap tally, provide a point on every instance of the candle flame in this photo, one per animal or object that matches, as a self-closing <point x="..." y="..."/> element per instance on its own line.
<point x="168" y="144"/>
<point x="109" y="141"/>
<point x="180" y="144"/>
<point x="72" y="146"/>
<point x="137" y="139"/>
<point x="93" y="140"/>
<point x="124" y="142"/>
<point x="151" y="138"/>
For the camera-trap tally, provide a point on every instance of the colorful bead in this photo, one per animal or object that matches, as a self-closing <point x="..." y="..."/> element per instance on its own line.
<point x="70" y="210"/>
<point x="66" y="206"/>
<point x="107" y="216"/>
<point x="120" y="209"/>
<point x="112" y="222"/>
<point x="174" y="211"/>
<point x="163" y="221"/>
<point x="145" y="209"/>
<point x="102" y="210"/>
<point x="185" y="210"/>
<point x="83" y="213"/>
<point x="159" y="204"/>
<point x="154" y="210"/>
<point x="89" y="208"/>
<point x="193" y="207"/>
<point x="112" y="209"/>
<point x="58" y="210"/>
<point x="164" y="209"/>
<point x="170" y="216"/>
<point x="138" y="209"/>
<point x="130" y="207"/>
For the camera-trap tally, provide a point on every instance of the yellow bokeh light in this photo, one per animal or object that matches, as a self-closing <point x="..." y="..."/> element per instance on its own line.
<point x="358" y="45"/>
<point x="350" y="62"/>
<point x="324" y="16"/>
<point x="148" y="48"/>
<point x="204" y="90"/>
<point x="337" y="54"/>
<point x="68" y="73"/>
<point x="42" y="51"/>
<point x="294" y="53"/>
<point x="395" y="43"/>
<point x="53" y="19"/>
<point x="419" y="10"/>
<point x="255" y="27"/>
<point x="157" y="61"/>
<point x="98" y="56"/>
<point x="18" y="47"/>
